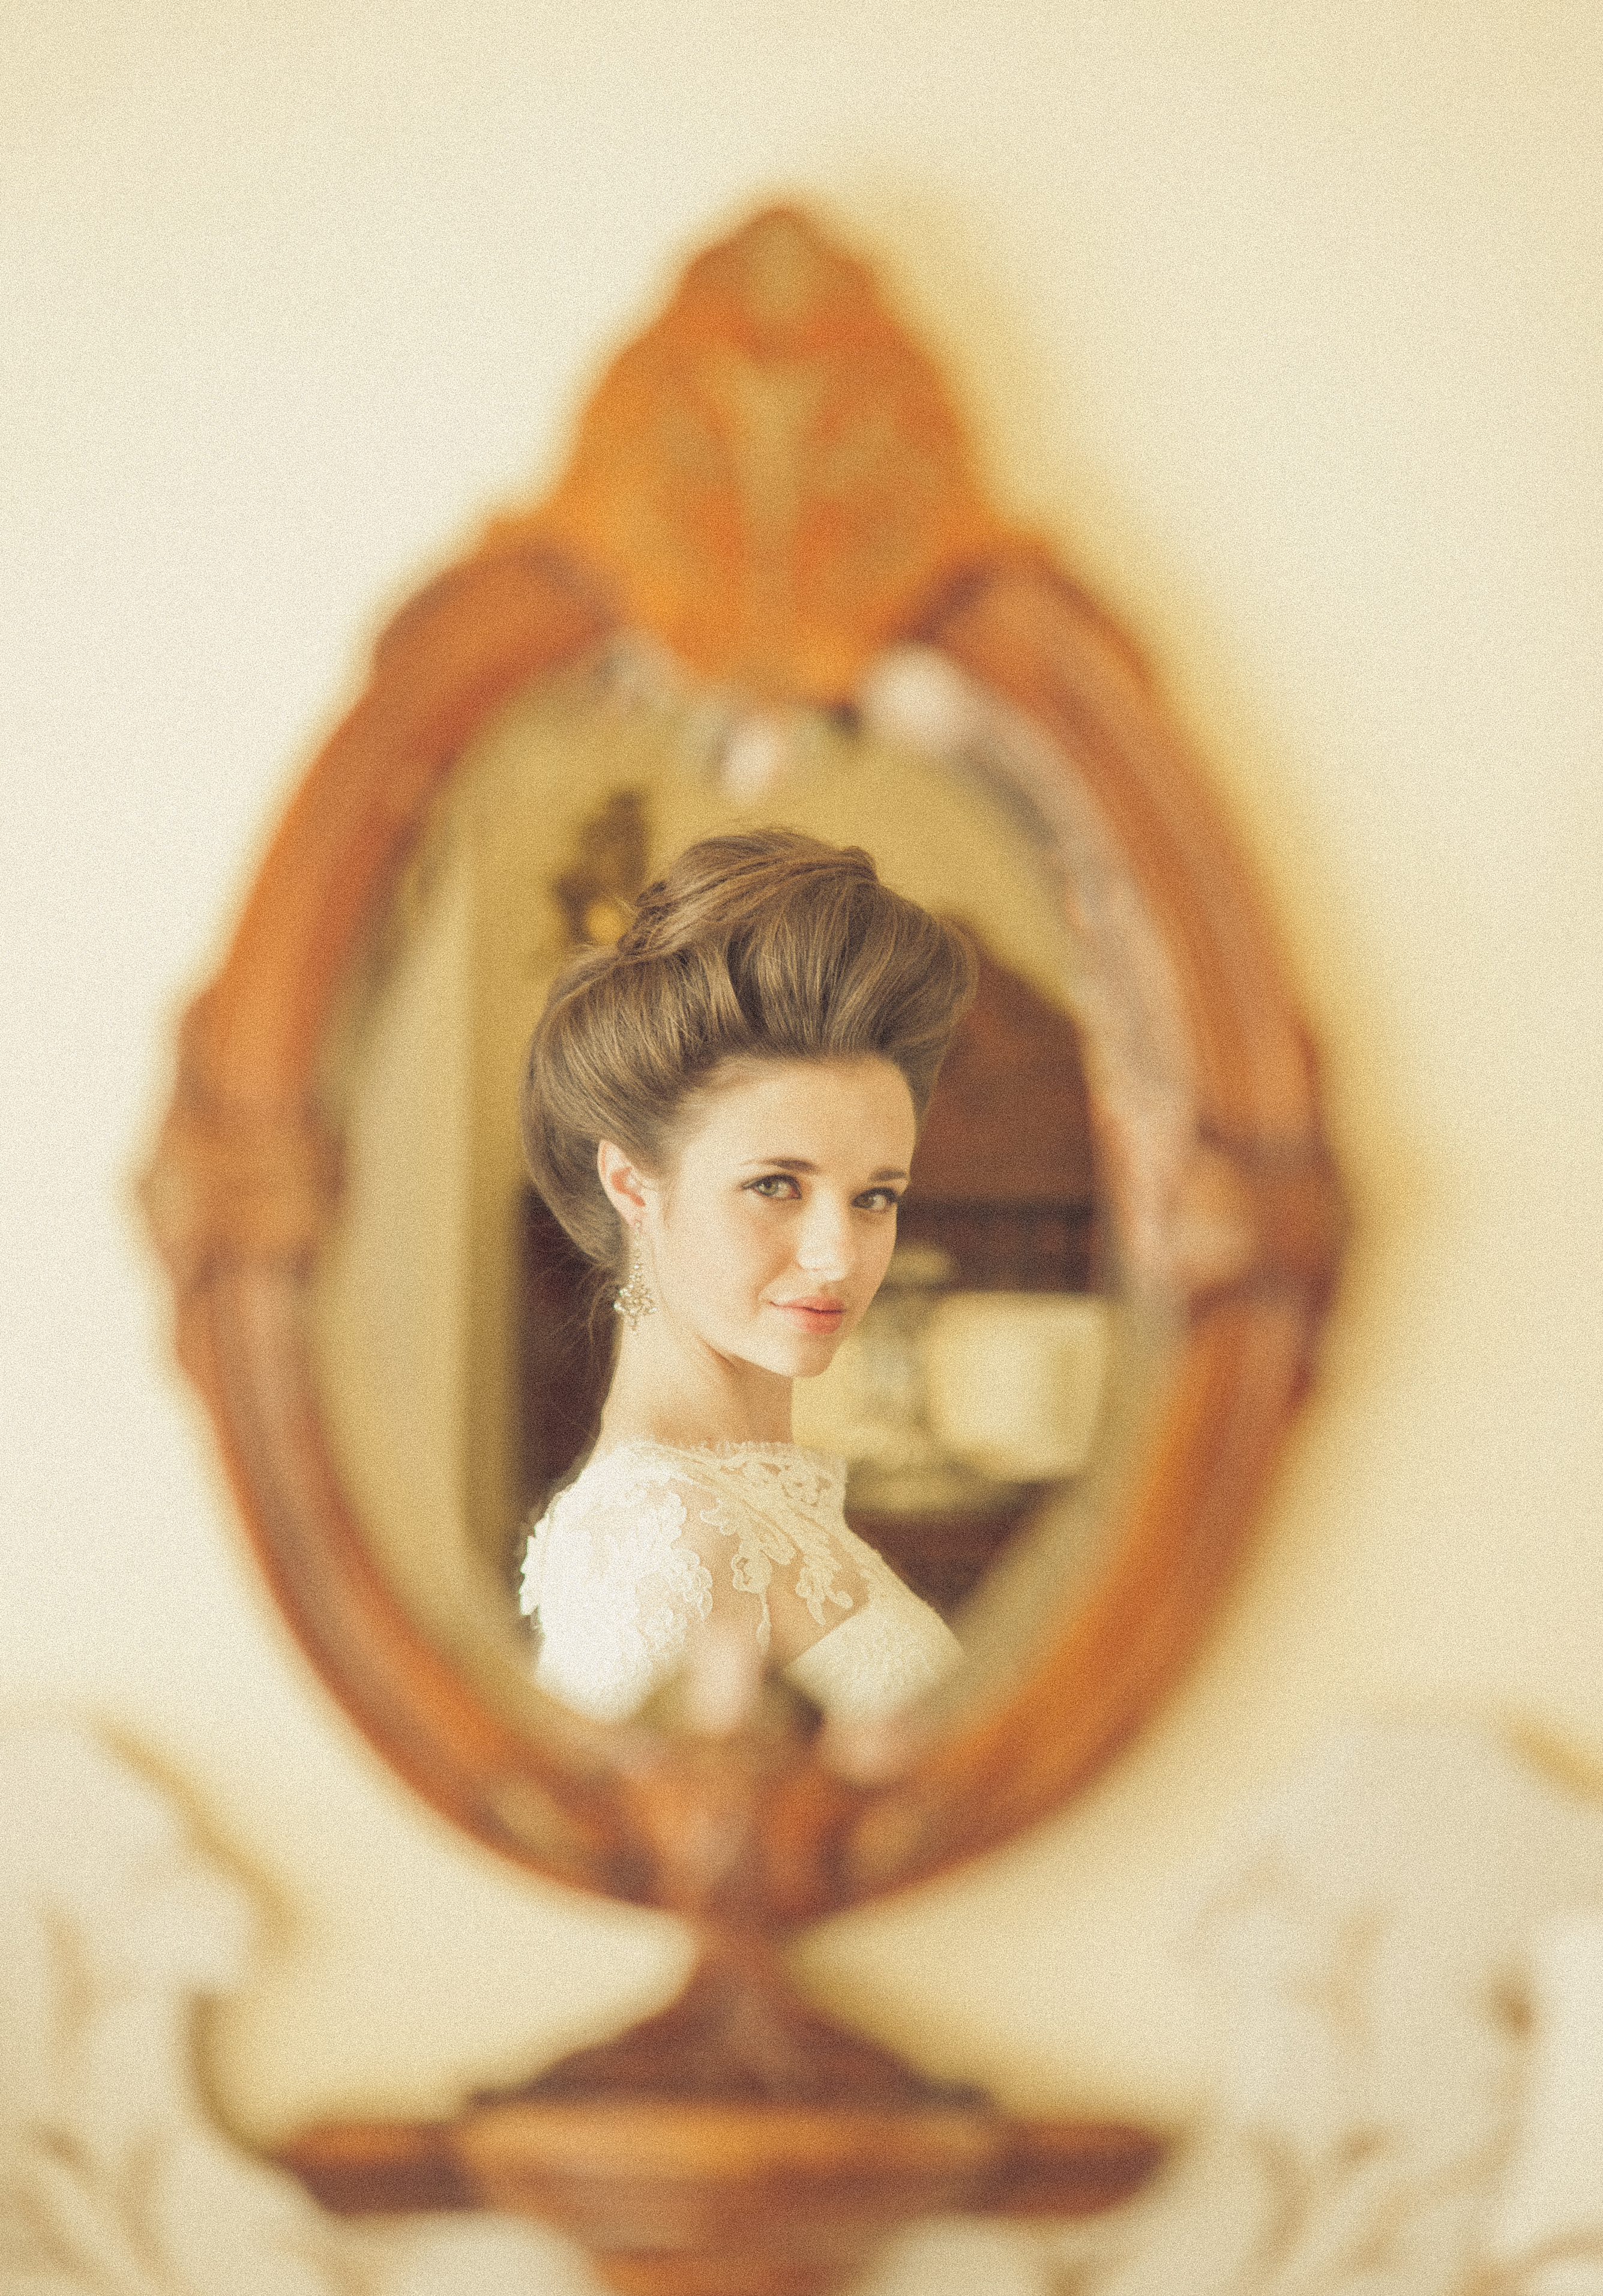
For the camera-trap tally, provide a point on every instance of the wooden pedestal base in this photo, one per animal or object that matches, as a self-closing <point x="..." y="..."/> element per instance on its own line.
<point x="737" y="2144"/>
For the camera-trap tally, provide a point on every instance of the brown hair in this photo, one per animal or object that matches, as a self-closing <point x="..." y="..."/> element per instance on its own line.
<point x="767" y="945"/>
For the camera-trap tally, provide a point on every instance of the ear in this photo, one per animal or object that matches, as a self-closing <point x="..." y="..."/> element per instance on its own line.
<point x="624" y="1183"/>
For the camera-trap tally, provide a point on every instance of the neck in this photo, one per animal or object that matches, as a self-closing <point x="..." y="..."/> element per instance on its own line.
<point x="663" y="1393"/>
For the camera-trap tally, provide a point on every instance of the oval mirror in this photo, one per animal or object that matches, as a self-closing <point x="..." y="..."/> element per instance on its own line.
<point x="767" y="591"/>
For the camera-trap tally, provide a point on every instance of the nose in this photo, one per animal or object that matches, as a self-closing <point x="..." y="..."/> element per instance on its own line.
<point x="826" y="1244"/>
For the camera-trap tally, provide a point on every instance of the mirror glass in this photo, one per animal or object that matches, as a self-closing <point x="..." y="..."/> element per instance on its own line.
<point x="461" y="1351"/>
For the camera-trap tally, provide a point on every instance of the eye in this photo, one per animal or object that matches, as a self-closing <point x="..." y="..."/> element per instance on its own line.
<point x="878" y="1200"/>
<point x="777" y="1186"/>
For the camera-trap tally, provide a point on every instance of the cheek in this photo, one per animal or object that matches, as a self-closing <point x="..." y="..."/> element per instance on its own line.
<point x="723" y="1252"/>
<point x="759" y="1246"/>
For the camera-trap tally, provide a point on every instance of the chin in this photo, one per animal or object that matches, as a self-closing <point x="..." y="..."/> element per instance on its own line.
<point x="798" y="1356"/>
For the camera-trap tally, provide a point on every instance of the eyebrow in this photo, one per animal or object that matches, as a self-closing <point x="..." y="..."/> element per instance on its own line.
<point x="801" y="1164"/>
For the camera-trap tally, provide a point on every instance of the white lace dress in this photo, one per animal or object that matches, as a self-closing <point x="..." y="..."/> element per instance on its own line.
<point x="652" y="1538"/>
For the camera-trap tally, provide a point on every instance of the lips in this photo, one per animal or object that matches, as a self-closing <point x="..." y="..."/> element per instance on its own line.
<point x="822" y="1317"/>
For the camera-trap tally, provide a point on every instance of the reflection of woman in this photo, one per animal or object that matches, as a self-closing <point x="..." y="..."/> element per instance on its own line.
<point x="721" y="1111"/>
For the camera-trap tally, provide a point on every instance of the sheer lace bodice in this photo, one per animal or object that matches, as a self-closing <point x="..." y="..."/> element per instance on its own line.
<point x="653" y="1538"/>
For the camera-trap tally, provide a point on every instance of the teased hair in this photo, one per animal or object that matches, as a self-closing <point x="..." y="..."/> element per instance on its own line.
<point x="767" y="945"/>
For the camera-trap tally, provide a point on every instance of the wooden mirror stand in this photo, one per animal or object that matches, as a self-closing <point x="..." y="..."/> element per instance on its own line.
<point x="771" y="485"/>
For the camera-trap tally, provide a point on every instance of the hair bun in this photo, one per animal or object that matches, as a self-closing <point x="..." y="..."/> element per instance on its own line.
<point x="650" y="924"/>
<point x="783" y="948"/>
<point x="708" y="886"/>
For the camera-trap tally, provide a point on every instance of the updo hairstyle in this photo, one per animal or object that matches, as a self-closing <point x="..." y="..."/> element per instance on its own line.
<point x="768" y="945"/>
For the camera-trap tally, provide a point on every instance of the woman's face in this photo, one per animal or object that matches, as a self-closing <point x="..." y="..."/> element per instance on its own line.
<point x="771" y="1232"/>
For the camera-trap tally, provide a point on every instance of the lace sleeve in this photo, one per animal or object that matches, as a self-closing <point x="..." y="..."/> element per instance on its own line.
<point x="650" y="1540"/>
<point x="617" y="1575"/>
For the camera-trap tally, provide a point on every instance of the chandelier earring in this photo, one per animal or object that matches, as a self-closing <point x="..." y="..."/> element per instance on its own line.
<point x="633" y="1299"/>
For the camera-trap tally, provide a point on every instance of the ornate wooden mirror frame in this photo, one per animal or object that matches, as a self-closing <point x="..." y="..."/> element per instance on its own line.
<point x="772" y="483"/>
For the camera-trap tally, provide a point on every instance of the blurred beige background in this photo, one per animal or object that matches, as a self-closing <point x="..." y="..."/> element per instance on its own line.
<point x="1284" y="323"/>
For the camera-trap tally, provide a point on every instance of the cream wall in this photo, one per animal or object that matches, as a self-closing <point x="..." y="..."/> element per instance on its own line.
<point x="1284" y="320"/>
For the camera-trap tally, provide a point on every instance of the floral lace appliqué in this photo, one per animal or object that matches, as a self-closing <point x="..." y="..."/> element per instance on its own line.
<point x="773" y="1501"/>
<point x="652" y="1538"/>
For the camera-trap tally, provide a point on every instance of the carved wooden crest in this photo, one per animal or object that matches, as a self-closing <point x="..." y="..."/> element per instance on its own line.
<point x="772" y="476"/>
